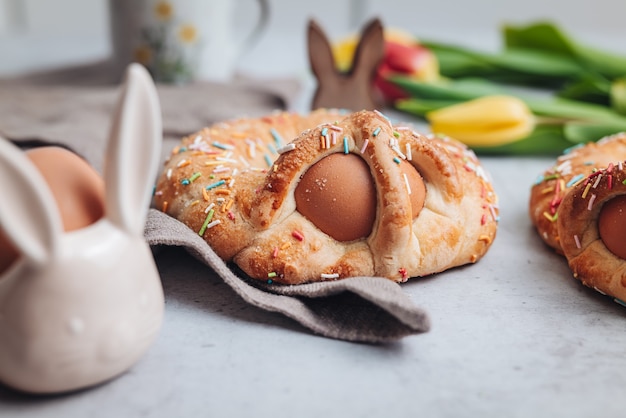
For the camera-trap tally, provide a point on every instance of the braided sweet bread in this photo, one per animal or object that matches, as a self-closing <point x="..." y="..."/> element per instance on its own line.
<point x="578" y="207"/>
<point x="351" y="195"/>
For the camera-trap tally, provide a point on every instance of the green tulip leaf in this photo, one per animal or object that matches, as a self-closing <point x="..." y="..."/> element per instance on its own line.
<point x="419" y="107"/>
<point x="544" y="140"/>
<point x="581" y="133"/>
<point x="590" y="89"/>
<point x="546" y="36"/>
<point x="617" y="94"/>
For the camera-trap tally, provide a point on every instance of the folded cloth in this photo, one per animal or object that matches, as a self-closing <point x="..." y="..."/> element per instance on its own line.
<point x="364" y="309"/>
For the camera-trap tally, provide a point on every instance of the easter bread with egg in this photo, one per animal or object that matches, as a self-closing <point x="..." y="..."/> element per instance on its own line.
<point x="295" y="198"/>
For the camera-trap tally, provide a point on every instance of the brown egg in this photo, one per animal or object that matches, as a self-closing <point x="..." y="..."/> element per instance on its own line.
<point x="612" y="225"/>
<point x="416" y="187"/>
<point x="77" y="188"/>
<point x="338" y="195"/>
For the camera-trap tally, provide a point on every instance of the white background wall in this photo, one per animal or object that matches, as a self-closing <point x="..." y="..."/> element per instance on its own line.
<point x="36" y="34"/>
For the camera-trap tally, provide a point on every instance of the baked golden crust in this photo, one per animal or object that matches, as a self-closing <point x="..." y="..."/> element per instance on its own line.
<point x="261" y="230"/>
<point x="565" y="206"/>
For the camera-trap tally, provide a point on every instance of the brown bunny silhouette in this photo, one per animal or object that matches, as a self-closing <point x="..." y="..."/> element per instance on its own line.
<point x="354" y="89"/>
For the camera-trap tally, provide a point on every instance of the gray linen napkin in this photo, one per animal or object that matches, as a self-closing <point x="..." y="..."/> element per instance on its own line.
<point x="364" y="309"/>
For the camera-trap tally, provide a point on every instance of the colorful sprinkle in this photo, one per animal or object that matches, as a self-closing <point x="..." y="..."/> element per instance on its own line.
<point x="276" y="136"/>
<point x="397" y="150"/>
<point x="365" y="144"/>
<point x="216" y="184"/>
<point x="287" y="148"/>
<point x="297" y="235"/>
<point x="195" y="176"/>
<point x="575" y="180"/>
<point x="244" y="161"/>
<point x="183" y="163"/>
<point x="226" y="160"/>
<point x="222" y="146"/>
<point x="384" y="117"/>
<point x="268" y="160"/>
<point x="619" y="302"/>
<point x="570" y="149"/>
<point x="599" y="291"/>
<point x="214" y="223"/>
<point x="397" y="160"/>
<point x="185" y="182"/>
<point x="610" y="167"/>
<point x="577" y="241"/>
<point x="597" y="181"/>
<point x="494" y="215"/>
<point x="346" y="148"/>
<point x="409" y="154"/>
<point x="376" y="132"/>
<point x="221" y="169"/>
<point x="591" y="200"/>
<point x="324" y="131"/>
<point x="551" y="218"/>
<point x="396" y="134"/>
<point x="271" y="274"/>
<point x="329" y="275"/>
<point x="205" y="225"/>
<point x="406" y="181"/>
<point x="584" y="195"/>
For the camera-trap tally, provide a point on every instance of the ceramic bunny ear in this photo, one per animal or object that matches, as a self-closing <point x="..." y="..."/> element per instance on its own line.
<point x="133" y="151"/>
<point x="354" y="89"/>
<point x="28" y="212"/>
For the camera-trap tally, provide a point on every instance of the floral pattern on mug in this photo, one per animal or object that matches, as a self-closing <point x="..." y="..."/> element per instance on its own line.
<point x="168" y="46"/>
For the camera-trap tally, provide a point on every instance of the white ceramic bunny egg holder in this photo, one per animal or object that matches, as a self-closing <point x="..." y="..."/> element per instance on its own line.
<point x="79" y="308"/>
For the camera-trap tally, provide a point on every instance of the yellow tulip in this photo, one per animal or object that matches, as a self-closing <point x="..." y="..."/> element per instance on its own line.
<point x="488" y="121"/>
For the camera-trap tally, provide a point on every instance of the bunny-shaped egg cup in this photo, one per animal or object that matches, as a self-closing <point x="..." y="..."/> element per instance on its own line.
<point x="354" y="89"/>
<point x="79" y="308"/>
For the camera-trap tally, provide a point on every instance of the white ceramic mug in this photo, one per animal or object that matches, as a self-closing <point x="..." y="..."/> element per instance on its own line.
<point x="183" y="40"/>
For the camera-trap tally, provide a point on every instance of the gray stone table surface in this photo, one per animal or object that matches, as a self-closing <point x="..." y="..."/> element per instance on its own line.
<point x="513" y="335"/>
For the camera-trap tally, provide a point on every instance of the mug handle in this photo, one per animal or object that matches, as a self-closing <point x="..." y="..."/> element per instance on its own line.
<point x="262" y="21"/>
